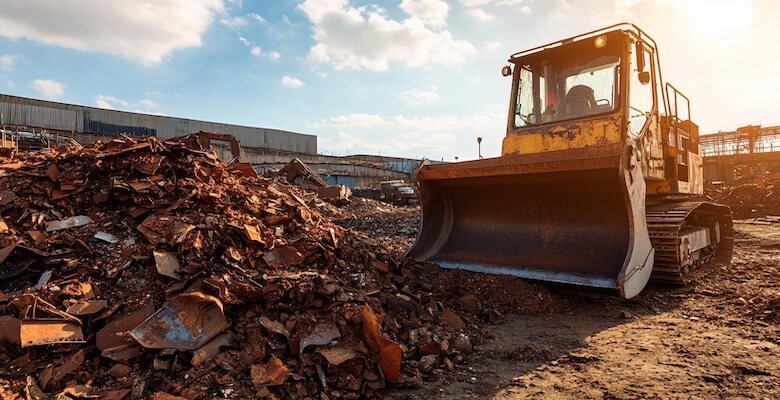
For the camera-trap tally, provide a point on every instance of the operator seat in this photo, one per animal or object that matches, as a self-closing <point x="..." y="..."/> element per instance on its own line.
<point x="579" y="101"/>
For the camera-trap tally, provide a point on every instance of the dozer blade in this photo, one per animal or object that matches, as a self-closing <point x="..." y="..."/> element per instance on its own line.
<point x="577" y="222"/>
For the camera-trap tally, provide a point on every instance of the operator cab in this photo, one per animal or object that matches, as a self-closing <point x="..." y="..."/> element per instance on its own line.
<point x="573" y="81"/>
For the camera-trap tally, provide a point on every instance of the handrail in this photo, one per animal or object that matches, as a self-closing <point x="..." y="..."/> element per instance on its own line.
<point x="642" y="34"/>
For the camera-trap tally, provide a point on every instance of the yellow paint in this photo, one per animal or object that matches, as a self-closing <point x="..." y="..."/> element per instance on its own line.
<point x="565" y="136"/>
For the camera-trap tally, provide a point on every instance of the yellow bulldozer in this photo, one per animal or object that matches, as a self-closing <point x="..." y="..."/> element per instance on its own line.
<point x="599" y="182"/>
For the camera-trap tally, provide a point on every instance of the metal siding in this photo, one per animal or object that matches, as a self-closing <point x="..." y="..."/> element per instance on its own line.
<point x="348" y="181"/>
<point x="68" y="117"/>
<point x="40" y="117"/>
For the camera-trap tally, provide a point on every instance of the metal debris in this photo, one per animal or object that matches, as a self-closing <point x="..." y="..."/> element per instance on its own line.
<point x="167" y="264"/>
<point x="43" y="332"/>
<point x="389" y="352"/>
<point x="188" y="322"/>
<point x="68" y="223"/>
<point x="86" y="307"/>
<point x="338" y="354"/>
<point x="294" y="284"/>
<point x="106" y="237"/>
<point x="15" y="259"/>
<point x="273" y="373"/>
<point x="212" y="348"/>
<point x="322" y="335"/>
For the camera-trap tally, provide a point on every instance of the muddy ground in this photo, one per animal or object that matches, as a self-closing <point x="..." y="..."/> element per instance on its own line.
<point x="718" y="338"/>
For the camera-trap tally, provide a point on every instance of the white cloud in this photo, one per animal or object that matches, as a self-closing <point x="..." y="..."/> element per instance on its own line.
<point x="146" y="106"/>
<point x="351" y="121"/>
<point x="257" y="51"/>
<point x="432" y="12"/>
<point x="441" y="123"/>
<point x="433" y="136"/>
<point x="363" y="37"/>
<point x="142" y="30"/>
<point x="289" y="81"/>
<point x="48" y="88"/>
<point x="480" y="14"/>
<point x="256" y="17"/>
<point x="108" y="102"/>
<point x="7" y="61"/>
<point x="477" y="3"/>
<point x="473" y="7"/>
<point x="416" y="97"/>
<point x="233" y="22"/>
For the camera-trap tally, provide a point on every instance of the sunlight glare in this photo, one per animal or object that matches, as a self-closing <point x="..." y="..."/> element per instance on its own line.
<point x="719" y="18"/>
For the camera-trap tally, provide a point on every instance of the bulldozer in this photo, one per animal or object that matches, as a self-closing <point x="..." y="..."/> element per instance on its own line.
<point x="599" y="182"/>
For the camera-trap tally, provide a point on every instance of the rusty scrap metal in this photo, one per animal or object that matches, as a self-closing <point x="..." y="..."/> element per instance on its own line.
<point x="188" y="322"/>
<point x="293" y="283"/>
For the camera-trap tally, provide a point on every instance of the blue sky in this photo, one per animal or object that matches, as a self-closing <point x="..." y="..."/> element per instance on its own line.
<point x="417" y="78"/>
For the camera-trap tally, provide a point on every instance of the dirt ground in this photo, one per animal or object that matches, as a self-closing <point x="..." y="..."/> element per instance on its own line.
<point x="716" y="339"/>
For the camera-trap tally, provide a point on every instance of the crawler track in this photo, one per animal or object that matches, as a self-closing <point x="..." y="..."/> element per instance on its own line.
<point x="666" y="217"/>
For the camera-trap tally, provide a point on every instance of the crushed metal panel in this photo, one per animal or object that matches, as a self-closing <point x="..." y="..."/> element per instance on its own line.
<point x="68" y="223"/>
<point x="114" y="333"/>
<point x="187" y="322"/>
<point x="43" y="332"/>
<point x="86" y="307"/>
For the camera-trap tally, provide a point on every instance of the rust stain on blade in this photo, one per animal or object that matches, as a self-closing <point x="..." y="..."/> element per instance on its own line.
<point x="187" y="322"/>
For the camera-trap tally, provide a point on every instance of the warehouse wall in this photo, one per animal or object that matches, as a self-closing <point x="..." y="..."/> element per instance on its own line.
<point x="40" y="114"/>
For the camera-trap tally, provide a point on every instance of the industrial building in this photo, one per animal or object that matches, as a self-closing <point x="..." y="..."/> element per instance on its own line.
<point x="68" y="119"/>
<point x="751" y="150"/>
<point x="263" y="147"/>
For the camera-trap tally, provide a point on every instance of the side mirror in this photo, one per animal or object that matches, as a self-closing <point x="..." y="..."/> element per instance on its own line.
<point x="640" y="56"/>
<point x="644" y="77"/>
<point x="506" y="70"/>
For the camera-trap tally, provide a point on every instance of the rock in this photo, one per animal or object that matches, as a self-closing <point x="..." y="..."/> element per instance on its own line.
<point x="119" y="371"/>
<point x="462" y="343"/>
<point x="427" y="362"/>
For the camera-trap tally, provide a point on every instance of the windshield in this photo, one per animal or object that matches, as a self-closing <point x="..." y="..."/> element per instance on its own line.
<point x="564" y="88"/>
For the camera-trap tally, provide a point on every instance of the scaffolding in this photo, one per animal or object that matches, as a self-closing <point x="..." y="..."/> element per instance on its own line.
<point x="749" y="139"/>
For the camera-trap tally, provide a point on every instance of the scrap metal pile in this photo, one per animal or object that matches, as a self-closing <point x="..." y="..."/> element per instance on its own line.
<point x="148" y="269"/>
<point x="749" y="197"/>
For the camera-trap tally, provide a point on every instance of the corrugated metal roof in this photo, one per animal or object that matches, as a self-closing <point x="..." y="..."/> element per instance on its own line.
<point x="64" y="117"/>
